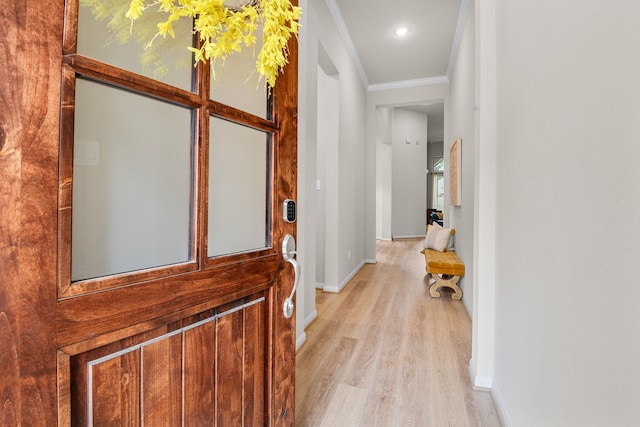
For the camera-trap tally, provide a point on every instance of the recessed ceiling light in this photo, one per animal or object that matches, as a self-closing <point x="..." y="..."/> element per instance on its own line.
<point x="402" y="31"/>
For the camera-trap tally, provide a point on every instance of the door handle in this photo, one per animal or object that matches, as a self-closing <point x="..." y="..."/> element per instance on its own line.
<point x="288" y="253"/>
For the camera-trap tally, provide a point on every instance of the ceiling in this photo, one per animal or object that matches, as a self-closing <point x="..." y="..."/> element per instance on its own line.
<point x="385" y="60"/>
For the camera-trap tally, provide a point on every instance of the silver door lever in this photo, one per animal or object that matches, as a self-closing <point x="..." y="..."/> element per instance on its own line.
<point x="288" y="253"/>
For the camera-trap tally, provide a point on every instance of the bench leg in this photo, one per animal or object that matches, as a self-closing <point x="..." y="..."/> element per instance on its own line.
<point x="448" y="282"/>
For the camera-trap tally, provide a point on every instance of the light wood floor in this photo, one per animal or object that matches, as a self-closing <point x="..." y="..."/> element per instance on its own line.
<point x="384" y="353"/>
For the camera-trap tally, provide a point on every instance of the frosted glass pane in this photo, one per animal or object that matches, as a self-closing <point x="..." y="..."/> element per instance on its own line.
<point x="235" y="82"/>
<point x="112" y="39"/>
<point x="131" y="182"/>
<point x="237" y="188"/>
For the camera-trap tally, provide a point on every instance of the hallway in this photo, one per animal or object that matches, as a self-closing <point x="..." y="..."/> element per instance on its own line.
<point x="384" y="353"/>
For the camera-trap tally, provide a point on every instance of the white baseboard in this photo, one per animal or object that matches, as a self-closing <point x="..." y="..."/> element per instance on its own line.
<point x="319" y="285"/>
<point x="301" y="340"/>
<point x="409" y="237"/>
<point x="310" y="318"/>
<point x="500" y="408"/>
<point x="337" y="289"/>
<point x="486" y="384"/>
<point x="479" y="383"/>
<point x="371" y="261"/>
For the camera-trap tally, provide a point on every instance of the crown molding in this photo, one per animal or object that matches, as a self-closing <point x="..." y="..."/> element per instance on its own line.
<point x="462" y="17"/>
<point x="408" y="83"/>
<point x="346" y="37"/>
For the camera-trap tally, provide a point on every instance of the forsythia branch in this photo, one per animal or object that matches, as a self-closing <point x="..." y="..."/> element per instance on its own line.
<point x="223" y="30"/>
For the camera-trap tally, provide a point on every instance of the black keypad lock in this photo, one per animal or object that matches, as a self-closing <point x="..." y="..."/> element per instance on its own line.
<point x="289" y="210"/>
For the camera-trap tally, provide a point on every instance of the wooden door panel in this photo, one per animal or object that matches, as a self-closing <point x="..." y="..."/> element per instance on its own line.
<point x="114" y="391"/>
<point x="241" y="367"/>
<point x="255" y="331"/>
<point x="205" y="368"/>
<point x="199" y="374"/>
<point x="229" y="372"/>
<point x="161" y="373"/>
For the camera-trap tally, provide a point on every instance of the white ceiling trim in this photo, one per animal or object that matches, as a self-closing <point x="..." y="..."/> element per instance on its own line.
<point x="462" y="17"/>
<point x="408" y="83"/>
<point x="346" y="37"/>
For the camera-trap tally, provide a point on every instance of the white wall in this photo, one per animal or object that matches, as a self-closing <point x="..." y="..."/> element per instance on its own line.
<point x="327" y="185"/>
<point x="384" y="159"/>
<point x="318" y="29"/>
<point x="307" y="134"/>
<point x="389" y="97"/>
<point x="567" y="334"/>
<point x="461" y="124"/>
<point x="324" y="111"/>
<point x="484" y="180"/>
<point x="409" y="177"/>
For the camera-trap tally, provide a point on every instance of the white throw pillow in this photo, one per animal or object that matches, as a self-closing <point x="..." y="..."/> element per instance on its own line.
<point x="450" y="245"/>
<point x="437" y="238"/>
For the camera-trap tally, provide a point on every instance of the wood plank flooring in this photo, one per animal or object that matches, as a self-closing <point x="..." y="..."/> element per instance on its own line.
<point x="384" y="353"/>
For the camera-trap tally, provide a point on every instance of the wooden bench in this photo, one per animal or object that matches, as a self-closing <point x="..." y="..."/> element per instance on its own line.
<point x="445" y="268"/>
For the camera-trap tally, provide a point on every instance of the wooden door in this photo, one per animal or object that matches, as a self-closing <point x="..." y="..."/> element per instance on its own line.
<point x="158" y="334"/>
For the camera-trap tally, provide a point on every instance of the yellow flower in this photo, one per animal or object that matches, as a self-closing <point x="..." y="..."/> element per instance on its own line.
<point x="224" y="31"/>
<point x="135" y="9"/>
